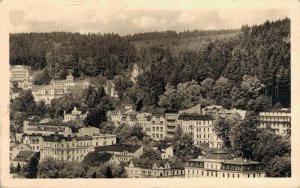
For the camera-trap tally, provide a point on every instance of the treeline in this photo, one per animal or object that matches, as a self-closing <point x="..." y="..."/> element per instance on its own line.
<point x="260" y="53"/>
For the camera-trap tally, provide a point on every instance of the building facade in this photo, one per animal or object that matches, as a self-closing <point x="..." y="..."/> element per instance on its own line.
<point x="278" y="121"/>
<point x="72" y="148"/>
<point x="75" y="114"/>
<point x="123" y="152"/>
<point x="139" y="168"/>
<point x="200" y="127"/>
<point x="222" y="165"/>
<point x="58" y="88"/>
<point x="19" y="73"/>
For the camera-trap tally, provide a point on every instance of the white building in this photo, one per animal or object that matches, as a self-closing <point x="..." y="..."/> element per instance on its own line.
<point x="223" y="165"/>
<point x="19" y="73"/>
<point x="58" y="88"/>
<point x="279" y="121"/>
<point x="201" y="127"/>
<point x="70" y="148"/>
<point x="75" y="114"/>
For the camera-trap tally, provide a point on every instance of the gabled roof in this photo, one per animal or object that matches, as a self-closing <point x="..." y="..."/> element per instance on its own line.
<point x="118" y="148"/>
<point x="25" y="156"/>
<point x="95" y="158"/>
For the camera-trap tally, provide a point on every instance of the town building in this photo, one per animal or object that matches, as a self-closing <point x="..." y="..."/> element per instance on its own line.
<point x="165" y="150"/>
<point x="96" y="159"/>
<point x="171" y="123"/>
<point x="19" y="73"/>
<point x="75" y="114"/>
<point x="218" y="111"/>
<point x="123" y="152"/>
<point x="200" y="126"/>
<point x="220" y="164"/>
<point x="70" y="148"/>
<point x="116" y="116"/>
<point x="279" y="121"/>
<point x="140" y="168"/>
<point x="58" y="88"/>
<point x="25" y="85"/>
<point x="110" y="90"/>
<point x="23" y="158"/>
<point x="15" y="149"/>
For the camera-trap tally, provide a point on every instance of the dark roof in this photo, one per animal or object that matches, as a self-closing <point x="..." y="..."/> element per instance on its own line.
<point x="118" y="148"/>
<point x="95" y="159"/>
<point x="58" y="138"/>
<point x="148" y="164"/>
<point x="171" y="111"/>
<point x="219" y="155"/>
<point x="194" y="116"/>
<point x="25" y="156"/>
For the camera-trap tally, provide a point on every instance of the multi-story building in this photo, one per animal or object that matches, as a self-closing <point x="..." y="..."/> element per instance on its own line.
<point x="70" y="148"/>
<point x="75" y="114"/>
<point x="223" y="165"/>
<point x="171" y="123"/>
<point x="115" y="116"/>
<point x="200" y="126"/>
<point x="96" y="159"/>
<point x="122" y="151"/>
<point x="279" y="121"/>
<point x="25" y="85"/>
<point x="19" y="73"/>
<point x="219" y="111"/>
<point x="110" y="90"/>
<point x="158" y="127"/>
<point x="23" y="158"/>
<point x="165" y="150"/>
<point x="140" y="168"/>
<point x="58" y="88"/>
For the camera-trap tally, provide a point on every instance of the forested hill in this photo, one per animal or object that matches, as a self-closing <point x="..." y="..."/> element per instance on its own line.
<point x="234" y="68"/>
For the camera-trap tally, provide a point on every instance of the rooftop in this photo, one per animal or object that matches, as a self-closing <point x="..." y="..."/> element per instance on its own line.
<point x="95" y="159"/>
<point x="118" y="148"/>
<point x="58" y="138"/>
<point x="195" y="116"/>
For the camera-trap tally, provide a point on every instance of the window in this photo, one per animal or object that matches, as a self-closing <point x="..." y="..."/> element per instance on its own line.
<point x="223" y="175"/>
<point x="238" y="175"/>
<point x="233" y="175"/>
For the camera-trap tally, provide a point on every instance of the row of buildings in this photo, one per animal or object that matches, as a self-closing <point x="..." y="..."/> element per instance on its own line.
<point x="196" y="120"/>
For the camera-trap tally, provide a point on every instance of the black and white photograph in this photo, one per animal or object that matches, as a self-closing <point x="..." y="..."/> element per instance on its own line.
<point x="119" y="89"/>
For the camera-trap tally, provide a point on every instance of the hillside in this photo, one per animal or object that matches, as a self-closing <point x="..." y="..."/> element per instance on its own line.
<point x="236" y="62"/>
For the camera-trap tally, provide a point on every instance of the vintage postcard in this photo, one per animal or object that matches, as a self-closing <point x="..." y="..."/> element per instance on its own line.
<point x="131" y="93"/>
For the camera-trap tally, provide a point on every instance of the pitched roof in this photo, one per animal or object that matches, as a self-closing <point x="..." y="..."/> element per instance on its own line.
<point x="118" y="148"/>
<point x="194" y="116"/>
<point x="58" y="138"/>
<point x="148" y="164"/>
<point x="25" y="156"/>
<point x="95" y="158"/>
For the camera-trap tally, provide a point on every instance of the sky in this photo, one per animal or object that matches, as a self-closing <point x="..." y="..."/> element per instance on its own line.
<point x="132" y="16"/>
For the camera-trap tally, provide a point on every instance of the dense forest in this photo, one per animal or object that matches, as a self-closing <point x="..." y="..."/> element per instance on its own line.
<point x="248" y="68"/>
